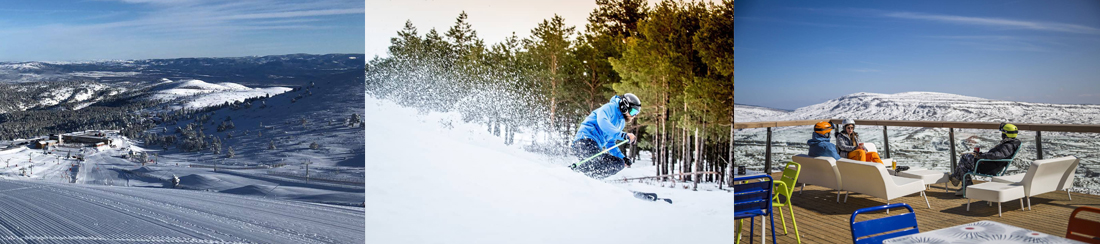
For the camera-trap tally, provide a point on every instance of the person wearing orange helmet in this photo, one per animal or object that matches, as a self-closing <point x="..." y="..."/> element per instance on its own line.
<point x="819" y="144"/>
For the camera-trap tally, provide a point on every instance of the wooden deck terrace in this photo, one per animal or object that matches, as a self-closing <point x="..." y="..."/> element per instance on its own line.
<point x="822" y="220"/>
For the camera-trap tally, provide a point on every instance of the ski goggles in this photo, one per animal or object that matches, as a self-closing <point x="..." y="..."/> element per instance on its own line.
<point x="634" y="112"/>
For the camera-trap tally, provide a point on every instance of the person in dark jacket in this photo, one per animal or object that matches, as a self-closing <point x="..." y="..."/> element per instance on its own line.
<point x="849" y="145"/>
<point x="599" y="131"/>
<point x="1005" y="149"/>
<point x="819" y="144"/>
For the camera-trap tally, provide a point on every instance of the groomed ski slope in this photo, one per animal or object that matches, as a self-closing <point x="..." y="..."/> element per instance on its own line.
<point x="432" y="179"/>
<point x="45" y="212"/>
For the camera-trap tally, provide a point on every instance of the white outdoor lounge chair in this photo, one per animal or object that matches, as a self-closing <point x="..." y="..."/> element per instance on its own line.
<point x="1044" y="176"/>
<point x="872" y="179"/>
<point x="819" y="171"/>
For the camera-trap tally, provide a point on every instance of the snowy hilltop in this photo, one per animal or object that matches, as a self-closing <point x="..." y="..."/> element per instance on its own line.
<point x="434" y="179"/>
<point x="749" y="113"/>
<point x="932" y="106"/>
<point x="195" y="94"/>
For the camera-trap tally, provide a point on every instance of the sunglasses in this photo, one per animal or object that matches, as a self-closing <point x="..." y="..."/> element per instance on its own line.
<point x="634" y="111"/>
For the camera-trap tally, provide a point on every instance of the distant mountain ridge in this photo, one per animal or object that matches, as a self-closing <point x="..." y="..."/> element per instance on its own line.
<point x="282" y="70"/>
<point x="927" y="106"/>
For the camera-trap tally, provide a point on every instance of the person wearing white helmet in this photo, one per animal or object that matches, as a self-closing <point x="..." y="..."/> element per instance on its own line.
<point x="849" y="145"/>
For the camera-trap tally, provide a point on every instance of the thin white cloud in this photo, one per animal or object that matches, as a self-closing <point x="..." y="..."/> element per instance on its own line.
<point x="294" y="14"/>
<point x="999" y="42"/>
<point x="864" y="70"/>
<point x="997" y="22"/>
<point x="175" y="28"/>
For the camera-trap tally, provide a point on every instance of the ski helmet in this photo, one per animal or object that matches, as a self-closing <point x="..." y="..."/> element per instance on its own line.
<point x="630" y="104"/>
<point x="848" y="122"/>
<point x="823" y="128"/>
<point x="1009" y="130"/>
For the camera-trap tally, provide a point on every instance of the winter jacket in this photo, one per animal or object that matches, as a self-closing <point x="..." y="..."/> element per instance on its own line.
<point x="820" y="146"/>
<point x="845" y="145"/>
<point x="1004" y="150"/>
<point x="604" y="125"/>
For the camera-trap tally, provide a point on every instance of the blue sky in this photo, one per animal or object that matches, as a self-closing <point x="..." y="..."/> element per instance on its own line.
<point x="140" y="29"/>
<point x="792" y="54"/>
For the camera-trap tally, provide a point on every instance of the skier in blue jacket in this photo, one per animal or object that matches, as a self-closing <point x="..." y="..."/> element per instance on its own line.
<point x="820" y="145"/>
<point x="599" y="131"/>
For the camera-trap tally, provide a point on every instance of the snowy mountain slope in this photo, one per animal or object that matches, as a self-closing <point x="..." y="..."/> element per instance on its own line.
<point x="336" y="164"/>
<point x="54" y="95"/>
<point x="433" y="179"/>
<point x="934" y="106"/>
<point x="44" y="212"/>
<point x="192" y="94"/>
<point x="749" y="113"/>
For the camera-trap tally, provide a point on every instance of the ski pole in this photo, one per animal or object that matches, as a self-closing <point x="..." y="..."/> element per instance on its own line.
<point x="598" y="154"/>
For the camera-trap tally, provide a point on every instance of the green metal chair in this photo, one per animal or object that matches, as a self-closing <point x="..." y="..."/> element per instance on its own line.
<point x="974" y="173"/>
<point x="785" y="187"/>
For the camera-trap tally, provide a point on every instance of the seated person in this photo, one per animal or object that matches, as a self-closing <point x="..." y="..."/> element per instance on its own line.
<point x="849" y="145"/>
<point x="819" y="144"/>
<point x="1007" y="147"/>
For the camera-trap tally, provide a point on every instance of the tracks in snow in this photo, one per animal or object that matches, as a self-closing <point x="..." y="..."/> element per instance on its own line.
<point x="38" y="212"/>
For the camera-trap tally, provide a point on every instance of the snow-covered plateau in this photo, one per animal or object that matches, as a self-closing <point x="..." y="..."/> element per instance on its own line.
<point x="433" y="179"/>
<point x="928" y="147"/>
<point x="194" y="94"/>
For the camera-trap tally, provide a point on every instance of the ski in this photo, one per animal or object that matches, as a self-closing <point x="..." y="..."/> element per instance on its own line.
<point x="650" y="196"/>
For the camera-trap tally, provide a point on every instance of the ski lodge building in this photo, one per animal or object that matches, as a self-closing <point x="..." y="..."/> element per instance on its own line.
<point x="93" y="139"/>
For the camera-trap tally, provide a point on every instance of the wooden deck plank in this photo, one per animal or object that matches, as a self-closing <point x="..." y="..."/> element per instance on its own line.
<point x="822" y="220"/>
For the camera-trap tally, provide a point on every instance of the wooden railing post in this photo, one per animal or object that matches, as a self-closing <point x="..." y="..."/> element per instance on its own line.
<point x="886" y="141"/>
<point x="768" y="153"/>
<point x="1039" y="144"/>
<point x="951" y="136"/>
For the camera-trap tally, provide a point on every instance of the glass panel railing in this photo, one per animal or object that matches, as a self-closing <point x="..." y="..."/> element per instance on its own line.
<point x="929" y="148"/>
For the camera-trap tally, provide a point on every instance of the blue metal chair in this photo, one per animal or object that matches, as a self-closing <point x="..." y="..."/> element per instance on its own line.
<point x="975" y="173"/>
<point x="751" y="198"/>
<point x="861" y="230"/>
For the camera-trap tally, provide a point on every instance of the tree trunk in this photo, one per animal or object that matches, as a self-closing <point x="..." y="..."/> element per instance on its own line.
<point x="553" y="89"/>
<point x="729" y="163"/>
<point x="593" y="87"/>
<point x="698" y="156"/>
<point x="703" y="146"/>
<point x="684" y="166"/>
<point x="665" y="147"/>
